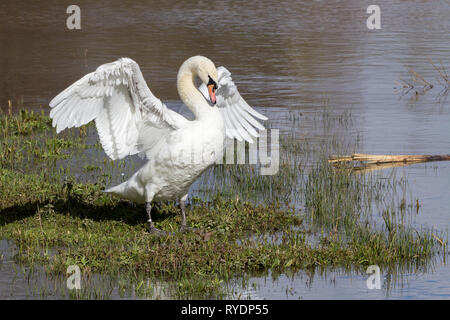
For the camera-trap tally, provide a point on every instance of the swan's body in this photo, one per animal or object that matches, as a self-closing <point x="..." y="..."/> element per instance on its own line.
<point x="171" y="171"/>
<point x="131" y="120"/>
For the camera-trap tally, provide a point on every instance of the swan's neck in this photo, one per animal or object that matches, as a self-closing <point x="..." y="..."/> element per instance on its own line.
<point x="190" y="95"/>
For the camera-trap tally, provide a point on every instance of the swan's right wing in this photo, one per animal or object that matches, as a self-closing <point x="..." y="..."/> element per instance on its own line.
<point x="239" y="117"/>
<point x="117" y="97"/>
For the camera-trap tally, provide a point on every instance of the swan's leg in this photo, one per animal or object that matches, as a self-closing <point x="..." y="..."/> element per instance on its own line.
<point x="149" y="194"/>
<point x="184" y="227"/>
<point x="151" y="227"/>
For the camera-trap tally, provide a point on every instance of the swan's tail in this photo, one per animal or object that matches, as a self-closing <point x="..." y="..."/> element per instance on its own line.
<point x="127" y="190"/>
<point x="117" y="190"/>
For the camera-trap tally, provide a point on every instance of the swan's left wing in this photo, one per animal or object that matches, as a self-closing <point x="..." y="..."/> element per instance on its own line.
<point x="239" y="117"/>
<point x="128" y="117"/>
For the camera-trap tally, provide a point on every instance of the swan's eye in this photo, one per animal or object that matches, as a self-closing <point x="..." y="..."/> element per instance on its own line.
<point x="212" y="82"/>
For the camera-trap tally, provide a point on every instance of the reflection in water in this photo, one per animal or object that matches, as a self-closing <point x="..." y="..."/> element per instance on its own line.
<point x="285" y="57"/>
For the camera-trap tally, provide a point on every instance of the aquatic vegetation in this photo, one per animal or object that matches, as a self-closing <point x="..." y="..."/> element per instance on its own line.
<point x="310" y="216"/>
<point x="419" y="86"/>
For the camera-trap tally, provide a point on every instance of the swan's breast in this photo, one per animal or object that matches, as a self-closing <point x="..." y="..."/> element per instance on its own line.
<point x="196" y="146"/>
<point x="185" y="155"/>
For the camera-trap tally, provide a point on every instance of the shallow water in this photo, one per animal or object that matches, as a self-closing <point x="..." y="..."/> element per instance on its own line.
<point x="284" y="57"/>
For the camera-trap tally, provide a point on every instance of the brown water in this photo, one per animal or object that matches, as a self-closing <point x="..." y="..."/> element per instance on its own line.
<point x="284" y="56"/>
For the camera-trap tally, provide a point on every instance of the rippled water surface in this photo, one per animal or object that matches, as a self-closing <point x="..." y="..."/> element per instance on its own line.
<point x="285" y="57"/>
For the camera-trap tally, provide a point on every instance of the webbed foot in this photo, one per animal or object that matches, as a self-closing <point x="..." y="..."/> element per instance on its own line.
<point x="185" y="228"/>
<point x="158" y="232"/>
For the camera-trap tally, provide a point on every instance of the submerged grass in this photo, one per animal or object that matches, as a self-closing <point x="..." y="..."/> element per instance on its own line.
<point x="251" y="223"/>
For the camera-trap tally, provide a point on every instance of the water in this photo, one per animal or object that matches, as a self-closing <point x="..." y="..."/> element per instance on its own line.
<point x="284" y="57"/>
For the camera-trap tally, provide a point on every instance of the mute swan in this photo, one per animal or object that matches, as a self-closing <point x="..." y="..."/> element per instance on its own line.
<point x="131" y="120"/>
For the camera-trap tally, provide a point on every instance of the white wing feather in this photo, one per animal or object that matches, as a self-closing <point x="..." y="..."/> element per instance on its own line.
<point x="117" y="97"/>
<point x="238" y="116"/>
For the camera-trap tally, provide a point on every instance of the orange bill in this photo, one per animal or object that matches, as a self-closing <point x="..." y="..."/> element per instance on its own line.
<point x="212" y="93"/>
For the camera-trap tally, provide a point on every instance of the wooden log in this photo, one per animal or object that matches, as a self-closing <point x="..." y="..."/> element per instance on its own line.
<point x="376" y="162"/>
<point x="379" y="166"/>
<point x="378" y="159"/>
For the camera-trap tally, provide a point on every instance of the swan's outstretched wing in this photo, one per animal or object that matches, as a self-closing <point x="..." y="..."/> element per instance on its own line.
<point x="117" y="97"/>
<point x="238" y="116"/>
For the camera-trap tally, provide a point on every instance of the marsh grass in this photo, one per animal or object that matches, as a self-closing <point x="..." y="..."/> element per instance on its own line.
<point x="417" y="86"/>
<point x="309" y="217"/>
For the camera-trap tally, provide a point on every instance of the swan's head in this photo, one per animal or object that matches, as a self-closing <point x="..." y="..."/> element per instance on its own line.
<point x="206" y="71"/>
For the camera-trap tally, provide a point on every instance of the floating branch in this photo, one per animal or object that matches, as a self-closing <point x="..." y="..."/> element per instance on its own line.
<point x="378" y="166"/>
<point x="375" y="162"/>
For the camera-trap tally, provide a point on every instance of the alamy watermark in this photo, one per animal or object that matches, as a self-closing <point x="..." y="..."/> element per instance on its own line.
<point x="257" y="150"/>
<point x="74" y="280"/>
<point x="201" y="150"/>
<point x="374" y="280"/>
<point x="374" y="20"/>
<point x="73" y="22"/>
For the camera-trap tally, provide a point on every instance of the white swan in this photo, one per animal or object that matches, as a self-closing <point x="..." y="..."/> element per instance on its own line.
<point x="131" y="120"/>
